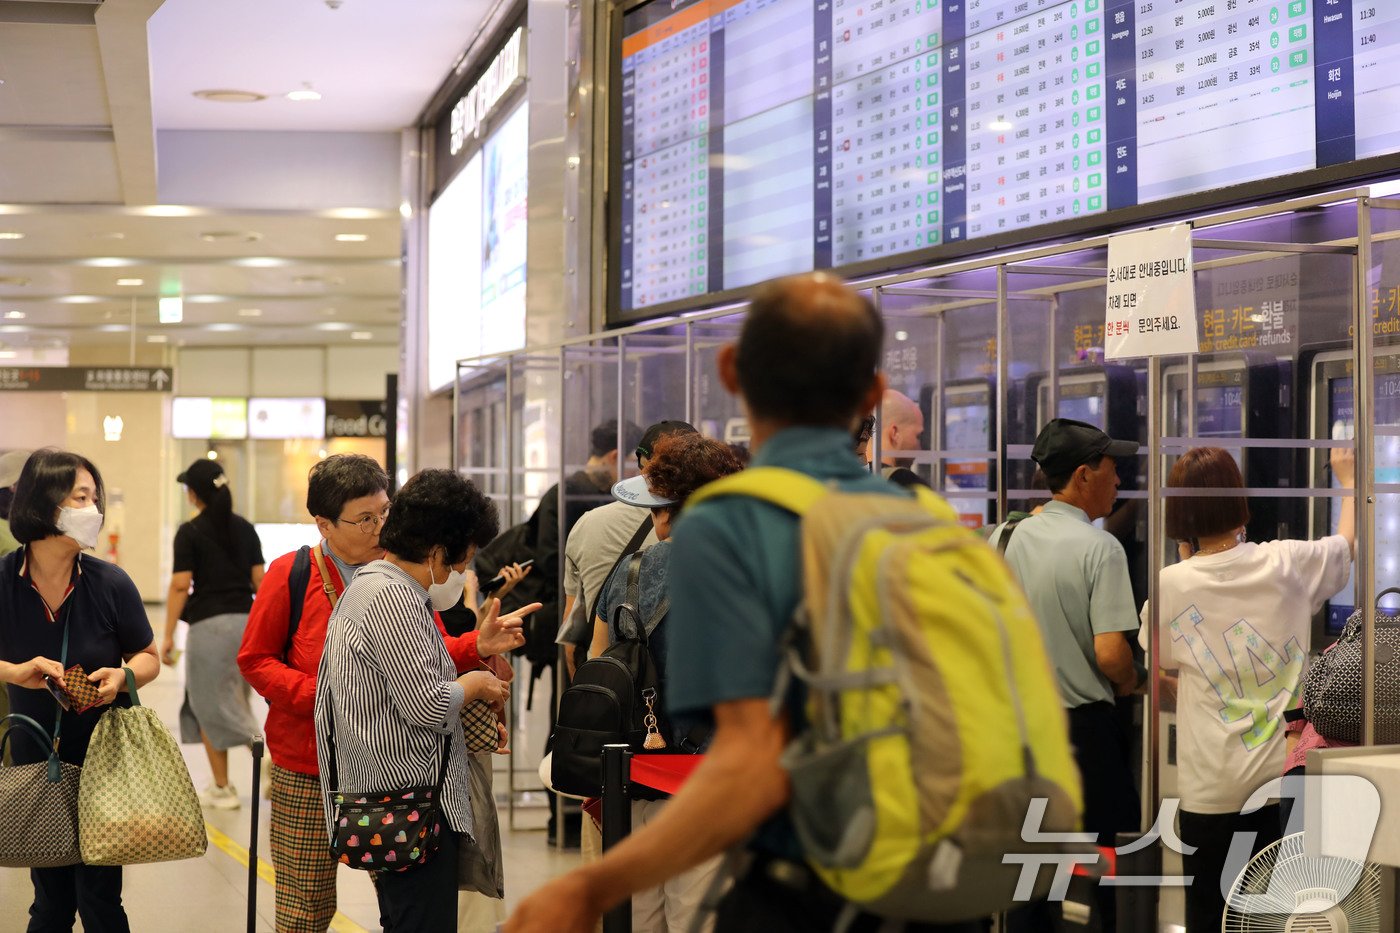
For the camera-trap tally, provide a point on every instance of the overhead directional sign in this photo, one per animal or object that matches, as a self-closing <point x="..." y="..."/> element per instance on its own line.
<point x="85" y="379"/>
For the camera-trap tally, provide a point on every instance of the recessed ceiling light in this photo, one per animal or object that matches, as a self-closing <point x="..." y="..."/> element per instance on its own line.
<point x="130" y="283"/>
<point x="230" y="96"/>
<point x="16" y="280"/>
<point x="351" y="237"/>
<point x="362" y="335"/>
<point x="8" y="354"/>
<point x="306" y="93"/>
<point x="14" y="315"/>
<point x="228" y="236"/>
<point x="157" y="338"/>
<point x="999" y="126"/>
<point x="223" y="328"/>
<point x="250" y="312"/>
<point x="11" y="235"/>
<point x="333" y="325"/>
<point x="328" y="311"/>
<point x="79" y="300"/>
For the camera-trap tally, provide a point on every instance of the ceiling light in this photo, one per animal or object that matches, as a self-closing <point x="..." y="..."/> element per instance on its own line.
<point x="333" y="325"/>
<point x="79" y="300"/>
<point x="228" y="236"/>
<point x="109" y="236"/>
<point x="306" y="93"/>
<point x="168" y="210"/>
<point x="157" y="338"/>
<point x="261" y="262"/>
<point x="130" y="283"/>
<point x="230" y="96"/>
<point x="250" y="312"/>
<point x="362" y="335"/>
<point x="14" y="315"/>
<point x="223" y="328"/>
<point x="351" y="237"/>
<point x="213" y="455"/>
<point x="999" y="126"/>
<point x="8" y="354"/>
<point x="17" y="280"/>
<point x="11" y="235"/>
<point x="172" y="310"/>
<point x="108" y="262"/>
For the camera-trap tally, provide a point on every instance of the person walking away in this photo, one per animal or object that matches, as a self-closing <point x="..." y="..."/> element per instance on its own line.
<point x="11" y="463"/>
<point x="217" y="569"/>
<point x="1235" y="620"/>
<point x="50" y="589"/>
<point x="806" y="368"/>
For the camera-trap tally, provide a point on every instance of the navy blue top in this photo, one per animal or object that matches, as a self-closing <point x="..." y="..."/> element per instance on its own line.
<point x="106" y="621"/>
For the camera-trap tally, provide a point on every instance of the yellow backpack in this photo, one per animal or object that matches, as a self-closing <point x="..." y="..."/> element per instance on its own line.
<point x="933" y="717"/>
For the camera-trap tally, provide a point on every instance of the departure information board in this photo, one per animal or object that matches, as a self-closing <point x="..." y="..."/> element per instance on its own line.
<point x="758" y="138"/>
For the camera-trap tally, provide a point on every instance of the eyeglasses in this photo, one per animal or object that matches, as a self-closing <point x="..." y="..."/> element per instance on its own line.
<point x="369" y="524"/>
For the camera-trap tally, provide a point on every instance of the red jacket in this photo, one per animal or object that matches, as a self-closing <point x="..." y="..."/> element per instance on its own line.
<point x="289" y="684"/>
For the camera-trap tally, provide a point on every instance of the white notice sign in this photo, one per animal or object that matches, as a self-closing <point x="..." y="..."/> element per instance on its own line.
<point x="1151" y="306"/>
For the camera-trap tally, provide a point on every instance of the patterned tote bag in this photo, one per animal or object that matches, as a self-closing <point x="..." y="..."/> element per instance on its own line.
<point x="38" y="805"/>
<point x="136" y="802"/>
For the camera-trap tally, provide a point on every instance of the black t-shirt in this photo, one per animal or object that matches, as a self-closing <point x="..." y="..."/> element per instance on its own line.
<point x="106" y="621"/>
<point x="223" y="576"/>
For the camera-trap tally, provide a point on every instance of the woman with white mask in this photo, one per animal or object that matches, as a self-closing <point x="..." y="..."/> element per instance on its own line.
<point x="61" y="609"/>
<point x="388" y="698"/>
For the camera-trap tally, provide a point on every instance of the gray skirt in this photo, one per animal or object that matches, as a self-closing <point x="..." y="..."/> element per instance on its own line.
<point x="216" y="695"/>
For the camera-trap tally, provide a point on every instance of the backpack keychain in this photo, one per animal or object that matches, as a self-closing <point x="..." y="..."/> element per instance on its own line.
<point x="654" y="740"/>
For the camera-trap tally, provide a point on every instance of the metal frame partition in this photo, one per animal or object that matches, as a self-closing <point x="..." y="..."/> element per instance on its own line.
<point x="1014" y="325"/>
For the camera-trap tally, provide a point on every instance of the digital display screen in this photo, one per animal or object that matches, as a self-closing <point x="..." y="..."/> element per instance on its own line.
<point x="287" y="418"/>
<point x="1220" y="411"/>
<point x="1341" y="417"/>
<point x="758" y="138"/>
<point x="1089" y="409"/>
<point x="968" y="427"/>
<point x="209" y="418"/>
<point x="476" y="254"/>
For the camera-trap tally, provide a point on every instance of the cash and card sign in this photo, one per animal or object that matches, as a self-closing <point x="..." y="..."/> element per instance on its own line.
<point x="1151" y="304"/>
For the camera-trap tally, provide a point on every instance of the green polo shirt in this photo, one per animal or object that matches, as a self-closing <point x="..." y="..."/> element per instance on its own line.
<point x="736" y="582"/>
<point x="1076" y="580"/>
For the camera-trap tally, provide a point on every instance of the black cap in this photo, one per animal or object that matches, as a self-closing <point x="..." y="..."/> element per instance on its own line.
<point x="202" y="476"/>
<point x="657" y="431"/>
<point x="1065" y="444"/>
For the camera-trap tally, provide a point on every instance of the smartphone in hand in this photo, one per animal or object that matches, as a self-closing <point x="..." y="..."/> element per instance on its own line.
<point x="499" y="580"/>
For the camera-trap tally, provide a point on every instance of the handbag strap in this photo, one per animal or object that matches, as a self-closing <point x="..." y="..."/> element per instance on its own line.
<point x="39" y="735"/>
<point x="131" y="686"/>
<point x="63" y="663"/>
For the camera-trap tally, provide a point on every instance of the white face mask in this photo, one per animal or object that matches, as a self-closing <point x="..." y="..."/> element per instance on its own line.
<point x="448" y="593"/>
<point x="82" y="525"/>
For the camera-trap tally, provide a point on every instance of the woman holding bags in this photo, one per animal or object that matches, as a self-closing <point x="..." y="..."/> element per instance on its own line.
<point x="62" y="611"/>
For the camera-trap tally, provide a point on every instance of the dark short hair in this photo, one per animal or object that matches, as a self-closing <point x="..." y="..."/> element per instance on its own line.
<point x="47" y="479"/>
<point x="1057" y="483"/>
<point x="339" y="478"/>
<point x="438" y="508"/>
<point x="809" y="351"/>
<point x="602" y="440"/>
<point x="683" y="463"/>
<point x="1191" y="517"/>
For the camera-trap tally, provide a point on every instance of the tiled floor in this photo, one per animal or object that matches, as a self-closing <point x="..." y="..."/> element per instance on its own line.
<point x="208" y="895"/>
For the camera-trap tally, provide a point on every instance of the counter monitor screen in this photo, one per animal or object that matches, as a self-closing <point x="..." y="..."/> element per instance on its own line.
<point x="757" y="138"/>
<point x="1387" y="514"/>
<point x="1089" y="409"/>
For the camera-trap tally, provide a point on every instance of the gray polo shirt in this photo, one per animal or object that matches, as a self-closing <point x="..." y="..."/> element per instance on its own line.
<point x="1076" y="579"/>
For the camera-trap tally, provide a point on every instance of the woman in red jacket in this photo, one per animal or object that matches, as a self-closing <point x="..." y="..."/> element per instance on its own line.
<point x="348" y="496"/>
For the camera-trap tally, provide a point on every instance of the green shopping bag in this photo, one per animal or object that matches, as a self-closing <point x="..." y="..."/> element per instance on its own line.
<point x="136" y="802"/>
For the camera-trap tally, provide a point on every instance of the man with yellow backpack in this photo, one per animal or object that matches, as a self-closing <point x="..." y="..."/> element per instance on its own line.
<point x="885" y="713"/>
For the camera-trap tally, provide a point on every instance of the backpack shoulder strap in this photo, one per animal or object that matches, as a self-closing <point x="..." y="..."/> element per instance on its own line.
<point x="633" y="604"/>
<point x="297" y="581"/>
<point x="787" y="489"/>
<point x="1004" y="539"/>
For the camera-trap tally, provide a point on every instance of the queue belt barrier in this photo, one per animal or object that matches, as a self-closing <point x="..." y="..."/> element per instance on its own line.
<point x="621" y="770"/>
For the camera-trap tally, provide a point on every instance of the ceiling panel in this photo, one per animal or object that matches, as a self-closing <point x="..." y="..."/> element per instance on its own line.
<point x="55" y="171"/>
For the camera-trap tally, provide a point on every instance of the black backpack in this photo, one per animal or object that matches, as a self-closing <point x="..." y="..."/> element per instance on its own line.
<point x="615" y="698"/>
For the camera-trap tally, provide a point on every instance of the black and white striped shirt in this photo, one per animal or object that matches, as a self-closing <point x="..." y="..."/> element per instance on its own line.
<point x="387" y="679"/>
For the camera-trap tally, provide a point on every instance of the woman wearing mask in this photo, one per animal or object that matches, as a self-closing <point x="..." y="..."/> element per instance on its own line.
<point x="387" y="692"/>
<point x="49" y="588"/>
<point x="218" y="553"/>
<point x="1235" y="620"/>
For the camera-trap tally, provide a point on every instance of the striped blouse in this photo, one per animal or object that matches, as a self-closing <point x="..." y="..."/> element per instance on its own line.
<point x="387" y="679"/>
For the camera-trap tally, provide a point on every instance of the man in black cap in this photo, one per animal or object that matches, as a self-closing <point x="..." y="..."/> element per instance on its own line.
<point x="1076" y="579"/>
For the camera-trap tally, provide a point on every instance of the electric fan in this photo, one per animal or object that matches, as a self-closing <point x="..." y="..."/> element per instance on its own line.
<point x="1283" y="890"/>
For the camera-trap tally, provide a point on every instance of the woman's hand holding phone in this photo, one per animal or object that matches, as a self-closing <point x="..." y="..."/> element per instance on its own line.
<point x="30" y="674"/>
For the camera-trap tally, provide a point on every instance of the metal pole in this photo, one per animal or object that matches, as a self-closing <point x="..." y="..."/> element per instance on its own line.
<point x="940" y="405"/>
<point x="1363" y="399"/>
<point x="1154" y="564"/>
<point x="875" y="449"/>
<point x="559" y="672"/>
<point x="507" y="460"/>
<point x="1054" y="367"/>
<point x="689" y="372"/>
<point x="621" y="421"/>
<point x="257" y="749"/>
<point x="617" y="822"/>
<point x="1003" y="386"/>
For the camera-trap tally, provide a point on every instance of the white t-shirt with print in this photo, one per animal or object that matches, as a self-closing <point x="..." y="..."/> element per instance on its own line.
<point x="1236" y="625"/>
